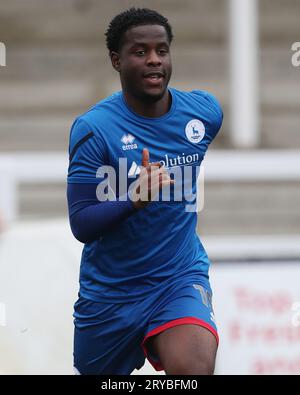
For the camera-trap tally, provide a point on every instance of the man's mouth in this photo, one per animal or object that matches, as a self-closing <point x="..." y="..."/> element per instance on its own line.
<point x="154" y="77"/>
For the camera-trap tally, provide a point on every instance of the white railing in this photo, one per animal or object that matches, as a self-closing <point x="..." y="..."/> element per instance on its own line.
<point x="27" y="168"/>
<point x="220" y="166"/>
<point x="244" y="73"/>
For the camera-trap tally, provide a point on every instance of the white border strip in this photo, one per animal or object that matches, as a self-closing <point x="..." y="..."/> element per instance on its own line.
<point x="260" y="165"/>
<point x="252" y="247"/>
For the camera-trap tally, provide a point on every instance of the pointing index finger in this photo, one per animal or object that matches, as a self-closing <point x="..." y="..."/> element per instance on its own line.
<point x="145" y="157"/>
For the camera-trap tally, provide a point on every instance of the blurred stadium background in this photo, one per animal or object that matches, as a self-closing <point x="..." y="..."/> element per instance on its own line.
<point x="56" y="67"/>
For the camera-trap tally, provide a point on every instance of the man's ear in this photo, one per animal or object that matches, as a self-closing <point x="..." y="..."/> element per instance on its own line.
<point x="115" y="60"/>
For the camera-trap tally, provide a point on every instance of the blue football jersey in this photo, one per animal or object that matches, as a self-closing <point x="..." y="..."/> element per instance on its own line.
<point x="158" y="244"/>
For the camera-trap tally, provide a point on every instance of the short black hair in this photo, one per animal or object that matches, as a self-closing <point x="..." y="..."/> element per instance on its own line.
<point x="133" y="17"/>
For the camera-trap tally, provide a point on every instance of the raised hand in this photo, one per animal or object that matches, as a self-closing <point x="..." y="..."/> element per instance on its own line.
<point x="153" y="177"/>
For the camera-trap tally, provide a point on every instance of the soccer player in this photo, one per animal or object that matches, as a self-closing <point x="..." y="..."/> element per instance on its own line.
<point x="144" y="284"/>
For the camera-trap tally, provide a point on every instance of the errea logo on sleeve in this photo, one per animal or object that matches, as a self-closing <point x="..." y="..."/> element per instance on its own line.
<point x="2" y="54"/>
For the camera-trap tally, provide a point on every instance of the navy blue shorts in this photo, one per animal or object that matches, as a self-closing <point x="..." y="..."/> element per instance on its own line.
<point x="112" y="338"/>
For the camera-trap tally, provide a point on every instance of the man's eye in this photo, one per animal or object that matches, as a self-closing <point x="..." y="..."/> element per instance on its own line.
<point x="163" y="51"/>
<point x="140" y="53"/>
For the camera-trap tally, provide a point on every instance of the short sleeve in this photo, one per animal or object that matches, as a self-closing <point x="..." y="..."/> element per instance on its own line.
<point x="216" y="107"/>
<point x="86" y="153"/>
<point x="214" y="114"/>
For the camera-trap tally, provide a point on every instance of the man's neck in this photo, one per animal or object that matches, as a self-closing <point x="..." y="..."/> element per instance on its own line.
<point x="150" y="109"/>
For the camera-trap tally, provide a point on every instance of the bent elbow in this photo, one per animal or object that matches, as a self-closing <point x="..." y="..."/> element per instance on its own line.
<point x="81" y="234"/>
<point x="78" y="235"/>
<point x="78" y="232"/>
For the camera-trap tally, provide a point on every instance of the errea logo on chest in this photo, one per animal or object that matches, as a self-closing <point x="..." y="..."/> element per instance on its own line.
<point x="128" y="142"/>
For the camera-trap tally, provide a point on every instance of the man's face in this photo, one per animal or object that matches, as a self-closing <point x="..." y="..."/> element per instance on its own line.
<point x="144" y="62"/>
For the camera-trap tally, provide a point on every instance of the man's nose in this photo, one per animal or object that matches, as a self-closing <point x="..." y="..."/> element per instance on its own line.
<point x="153" y="58"/>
